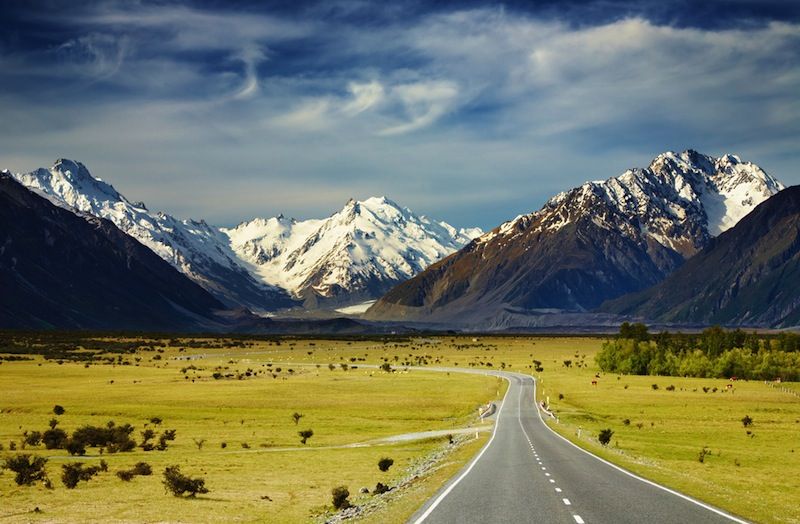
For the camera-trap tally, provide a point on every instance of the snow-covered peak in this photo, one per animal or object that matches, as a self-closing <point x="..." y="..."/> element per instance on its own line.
<point x="362" y="249"/>
<point x="70" y="182"/>
<point x="680" y="200"/>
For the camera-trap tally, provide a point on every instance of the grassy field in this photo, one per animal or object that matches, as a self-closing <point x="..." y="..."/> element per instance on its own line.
<point x="659" y="433"/>
<point x="275" y="477"/>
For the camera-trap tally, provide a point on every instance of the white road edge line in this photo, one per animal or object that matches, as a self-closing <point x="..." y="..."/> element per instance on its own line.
<point x="461" y="477"/>
<point x="634" y="475"/>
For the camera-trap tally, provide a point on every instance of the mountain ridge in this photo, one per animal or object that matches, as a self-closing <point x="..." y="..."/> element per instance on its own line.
<point x="594" y="242"/>
<point x="233" y="266"/>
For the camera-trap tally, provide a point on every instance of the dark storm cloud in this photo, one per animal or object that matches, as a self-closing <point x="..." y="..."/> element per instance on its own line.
<point x="468" y="111"/>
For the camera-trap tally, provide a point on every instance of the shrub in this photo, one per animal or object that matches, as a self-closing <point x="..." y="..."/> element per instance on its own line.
<point x="747" y="421"/>
<point x="34" y="438"/>
<point x="296" y="417"/>
<point x="28" y="468"/>
<point x="177" y="483"/>
<point x="167" y="435"/>
<point x="340" y="495"/>
<point x="59" y="410"/>
<point x="702" y="456"/>
<point x="626" y="422"/>
<point x="655" y="387"/>
<point x="386" y="367"/>
<point x="75" y="472"/>
<point x="305" y="435"/>
<point x="54" y="438"/>
<point x="670" y="388"/>
<point x="114" y="438"/>
<point x="605" y="436"/>
<point x="141" y="468"/>
<point x="75" y="447"/>
<point x="385" y="463"/>
<point x="380" y="488"/>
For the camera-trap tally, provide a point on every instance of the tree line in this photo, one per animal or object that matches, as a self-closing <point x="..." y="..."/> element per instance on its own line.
<point x="713" y="353"/>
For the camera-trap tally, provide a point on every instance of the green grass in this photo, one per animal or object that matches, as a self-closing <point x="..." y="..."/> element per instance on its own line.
<point x="755" y="477"/>
<point x="342" y="407"/>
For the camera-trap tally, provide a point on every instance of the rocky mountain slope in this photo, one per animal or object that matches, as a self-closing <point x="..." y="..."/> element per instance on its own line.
<point x="61" y="270"/>
<point x="749" y="275"/>
<point x="354" y="255"/>
<point x="269" y="264"/>
<point x="587" y="245"/>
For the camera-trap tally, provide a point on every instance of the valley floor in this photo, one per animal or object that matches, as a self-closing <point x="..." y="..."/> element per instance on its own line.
<point x="263" y="472"/>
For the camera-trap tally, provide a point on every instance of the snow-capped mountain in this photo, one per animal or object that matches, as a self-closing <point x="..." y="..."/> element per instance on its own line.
<point x="193" y="247"/>
<point x="266" y="264"/>
<point x="355" y="254"/>
<point x="592" y="243"/>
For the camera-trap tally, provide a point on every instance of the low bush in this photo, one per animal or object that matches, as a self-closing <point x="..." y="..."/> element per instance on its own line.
<point x="178" y="484"/>
<point x="605" y="436"/>
<point x="385" y="463"/>
<point x="75" y="472"/>
<point x="340" y="495"/>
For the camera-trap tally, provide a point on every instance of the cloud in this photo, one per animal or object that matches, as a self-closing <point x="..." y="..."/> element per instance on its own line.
<point x="431" y="102"/>
<point x="364" y="97"/>
<point x="423" y="103"/>
<point x="309" y="116"/>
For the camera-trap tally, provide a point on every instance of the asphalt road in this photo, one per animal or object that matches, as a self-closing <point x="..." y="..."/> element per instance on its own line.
<point x="527" y="473"/>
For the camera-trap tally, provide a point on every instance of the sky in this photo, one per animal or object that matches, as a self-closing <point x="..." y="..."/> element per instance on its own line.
<point x="469" y="112"/>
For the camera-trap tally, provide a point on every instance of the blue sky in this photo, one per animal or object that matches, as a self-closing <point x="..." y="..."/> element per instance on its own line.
<point x="471" y="112"/>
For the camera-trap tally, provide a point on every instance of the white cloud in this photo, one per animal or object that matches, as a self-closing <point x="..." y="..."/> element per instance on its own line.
<point x="309" y="116"/>
<point x="423" y="104"/>
<point x="364" y="96"/>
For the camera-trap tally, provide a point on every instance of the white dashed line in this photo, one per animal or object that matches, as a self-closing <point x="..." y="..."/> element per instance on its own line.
<point x="578" y="519"/>
<point x="547" y="474"/>
<point x="558" y="490"/>
<point x="552" y="481"/>
<point x="567" y="502"/>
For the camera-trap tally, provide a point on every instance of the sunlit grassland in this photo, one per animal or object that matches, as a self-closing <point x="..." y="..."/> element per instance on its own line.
<point x="275" y="478"/>
<point x="661" y="433"/>
<point x="753" y="475"/>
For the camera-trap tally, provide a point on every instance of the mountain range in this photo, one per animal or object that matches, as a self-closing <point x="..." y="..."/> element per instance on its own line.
<point x="265" y="265"/>
<point x="690" y="239"/>
<point x="587" y="245"/>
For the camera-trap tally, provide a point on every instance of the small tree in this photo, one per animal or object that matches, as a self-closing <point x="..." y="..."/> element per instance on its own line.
<point x="59" y="410"/>
<point x="28" y="468"/>
<point x="385" y="463"/>
<point x="177" y="483"/>
<point x="386" y="367"/>
<point x="305" y="435"/>
<point x="296" y="417"/>
<point x="747" y="421"/>
<point x="340" y="495"/>
<point x="199" y="443"/>
<point x="605" y="436"/>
